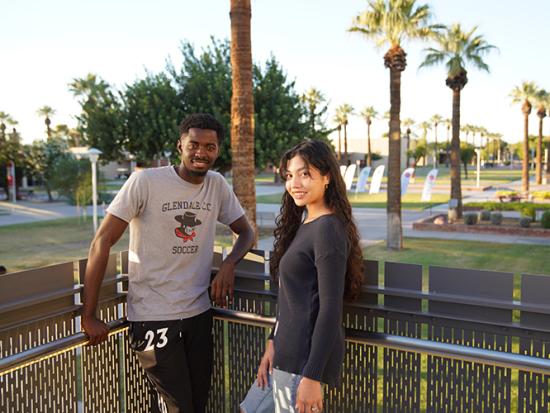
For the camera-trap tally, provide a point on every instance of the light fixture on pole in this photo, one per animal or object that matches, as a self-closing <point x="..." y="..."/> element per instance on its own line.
<point x="93" y="155"/>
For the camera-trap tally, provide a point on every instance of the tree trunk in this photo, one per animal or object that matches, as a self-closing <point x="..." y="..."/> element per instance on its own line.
<point x="538" y="173"/>
<point x="242" y="109"/>
<point x="436" y="154"/>
<point x="346" y="142"/>
<point x="339" y="143"/>
<point x="525" y="163"/>
<point x="394" y="226"/>
<point x="456" y="188"/>
<point x="369" y="154"/>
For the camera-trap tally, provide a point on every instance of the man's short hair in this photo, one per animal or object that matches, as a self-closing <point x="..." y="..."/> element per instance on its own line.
<point x="201" y="121"/>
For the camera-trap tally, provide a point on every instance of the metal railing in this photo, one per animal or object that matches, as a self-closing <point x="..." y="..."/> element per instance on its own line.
<point x="435" y="340"/>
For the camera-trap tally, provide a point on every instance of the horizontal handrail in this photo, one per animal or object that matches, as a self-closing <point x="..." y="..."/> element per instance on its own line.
<point x="433" y="348"/>
<point x="53" y="348"/>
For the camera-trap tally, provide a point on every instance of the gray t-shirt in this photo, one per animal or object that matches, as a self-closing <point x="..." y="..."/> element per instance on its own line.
<point x="172" y="230"/>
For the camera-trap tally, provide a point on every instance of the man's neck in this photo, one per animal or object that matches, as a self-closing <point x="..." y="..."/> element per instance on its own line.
<point x="187" y="176"/>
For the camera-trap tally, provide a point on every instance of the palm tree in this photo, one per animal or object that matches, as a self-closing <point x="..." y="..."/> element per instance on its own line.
<point x="46" y="111"/>
<point x="339" y="129"/>
<point x="541" y="101"/>
<point x="4" y="118"/>
<point x="524" y="94"/>
<point x="312" y="99"/>
<point x="436" y="120"/>
<point x="391" y="22"/>
<point x="448" y="123"/>
<point x="342" y="114"/>
<point x="407" y="123"/>
<point x="242" y="108"/>
<point x="457" y="48"/>
<point x="369" y="113"/>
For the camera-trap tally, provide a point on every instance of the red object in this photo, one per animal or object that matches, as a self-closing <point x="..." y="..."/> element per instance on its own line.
<point x="10" y="180"/>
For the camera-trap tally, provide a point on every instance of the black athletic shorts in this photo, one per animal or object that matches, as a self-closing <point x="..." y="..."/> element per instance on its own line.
<point x="177" y="357"/>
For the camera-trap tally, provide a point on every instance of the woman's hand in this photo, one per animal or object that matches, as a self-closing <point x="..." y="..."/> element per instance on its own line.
<point x="266" y="365"/>
<point x="309" y="396"/>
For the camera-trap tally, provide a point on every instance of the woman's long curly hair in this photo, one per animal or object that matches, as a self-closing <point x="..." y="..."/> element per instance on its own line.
<point x="319" y="155"/>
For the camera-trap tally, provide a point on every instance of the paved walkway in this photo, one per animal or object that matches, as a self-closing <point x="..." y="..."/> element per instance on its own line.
<point x="371" y="221"/>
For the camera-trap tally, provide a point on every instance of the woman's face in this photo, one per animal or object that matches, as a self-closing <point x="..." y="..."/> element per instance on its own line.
<point x="304" y="183"/>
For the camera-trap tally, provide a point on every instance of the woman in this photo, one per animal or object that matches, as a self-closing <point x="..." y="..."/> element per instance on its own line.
<point x="318" y="263"/>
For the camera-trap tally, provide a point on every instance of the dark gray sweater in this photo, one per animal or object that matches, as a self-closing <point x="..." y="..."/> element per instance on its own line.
<point x="309" y="335"/>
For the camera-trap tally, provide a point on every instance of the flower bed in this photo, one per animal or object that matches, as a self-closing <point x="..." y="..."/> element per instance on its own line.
<point x="509" y="226"/>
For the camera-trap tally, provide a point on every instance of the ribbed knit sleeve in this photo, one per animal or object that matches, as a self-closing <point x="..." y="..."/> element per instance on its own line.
<point x="331" y="252"/>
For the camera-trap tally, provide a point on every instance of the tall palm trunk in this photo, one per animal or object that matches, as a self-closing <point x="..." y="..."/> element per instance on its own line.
<point x="395" y="60"/>
<point x="456" y="84"/>
<point x="435" y="148"/>
<point x="526" y="109"/>
<point x="242" y="108"/>
<point x="339" y="142"/>
<point x="369" y="153"/>
<point x="541" y="114"/>
<point x="346" y="141"/>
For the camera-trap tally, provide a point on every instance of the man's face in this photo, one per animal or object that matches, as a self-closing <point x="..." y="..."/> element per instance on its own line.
<point x="199" y="149"/>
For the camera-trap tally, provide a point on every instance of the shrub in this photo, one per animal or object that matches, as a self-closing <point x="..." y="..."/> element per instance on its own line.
<point x="484" y="215"/>
<point x="541" y="195"/>
<point x="496" y="218"/>
<point x="525" y="222"/>
<point x="545" y="219"/>
<point x="529" y="211"/>
<point x="470" y="219"/>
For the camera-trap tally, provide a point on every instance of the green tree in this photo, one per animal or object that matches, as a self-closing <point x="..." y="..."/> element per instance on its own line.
<point x="101" y="121"/>
<point x="152" y="111"/>
<point x="467" y="153"/>
<point x="392" y="22"/>
<point x="203" y="84"/>
<point x="457" y="49"/>
<point x="315" y="110"/>
<point x="44" y="156"/>
<point x="525" y="94"/>
<point x="281" y="119"/>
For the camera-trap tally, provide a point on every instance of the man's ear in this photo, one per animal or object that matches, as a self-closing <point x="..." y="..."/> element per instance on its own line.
<point x="178" y="146"/>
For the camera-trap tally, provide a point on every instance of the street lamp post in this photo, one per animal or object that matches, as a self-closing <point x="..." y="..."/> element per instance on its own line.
<point x="93" y="155"/>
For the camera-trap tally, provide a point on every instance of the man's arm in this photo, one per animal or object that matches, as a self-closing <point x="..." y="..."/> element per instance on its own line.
<point x="222" y="285"/>
<point x="108" y="234"/>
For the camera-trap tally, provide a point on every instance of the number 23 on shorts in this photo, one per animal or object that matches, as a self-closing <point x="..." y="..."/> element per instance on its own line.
<point x="148" y="336"/>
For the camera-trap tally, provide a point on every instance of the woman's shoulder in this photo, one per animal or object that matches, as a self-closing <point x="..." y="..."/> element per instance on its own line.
<point x="330" y="226"/>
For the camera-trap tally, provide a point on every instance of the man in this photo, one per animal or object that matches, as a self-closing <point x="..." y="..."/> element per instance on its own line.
<point x="172" y="212"/>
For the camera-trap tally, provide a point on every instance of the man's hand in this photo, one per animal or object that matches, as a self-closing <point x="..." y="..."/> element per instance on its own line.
<point x="309" y="396"/>
<point x="222" y="285"/>
<point x="96" y="330"/>
<point x="266" y="365"/>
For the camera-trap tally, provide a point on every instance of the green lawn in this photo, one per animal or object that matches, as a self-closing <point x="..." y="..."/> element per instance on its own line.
<point x="365" y="200"/>
<point x="467" y="254"/>
<point x="488" y="176"/>
<point x="24" y="246"/>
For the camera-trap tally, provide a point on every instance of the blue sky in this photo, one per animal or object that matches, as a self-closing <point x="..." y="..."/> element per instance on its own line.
<point x="44" y="45"/>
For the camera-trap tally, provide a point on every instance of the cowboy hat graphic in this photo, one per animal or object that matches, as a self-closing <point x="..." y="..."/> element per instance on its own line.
<point x="188" y="222"/>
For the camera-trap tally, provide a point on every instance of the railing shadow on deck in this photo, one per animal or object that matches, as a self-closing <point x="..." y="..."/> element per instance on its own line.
<point x="454" y="340"/>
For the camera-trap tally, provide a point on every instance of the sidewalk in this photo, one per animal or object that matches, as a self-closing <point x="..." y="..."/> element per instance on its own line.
<point x="371" y="222"/>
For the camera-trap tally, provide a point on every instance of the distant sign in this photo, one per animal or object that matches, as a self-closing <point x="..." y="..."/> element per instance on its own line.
<point x="428" y="186"/>
<point x="343" y="170"/>
<point x="405" y="178"/>
<point x="349" y="175"/>
<point x="362" y="180"/>
<point x="376" y="180"/>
